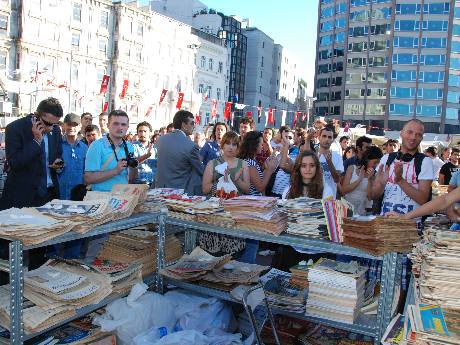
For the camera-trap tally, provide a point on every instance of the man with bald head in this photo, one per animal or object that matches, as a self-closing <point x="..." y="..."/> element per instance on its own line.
<point x="404" y="177"/>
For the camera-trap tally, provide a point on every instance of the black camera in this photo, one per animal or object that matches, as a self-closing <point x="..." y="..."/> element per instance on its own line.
<point x="131" y="161"/>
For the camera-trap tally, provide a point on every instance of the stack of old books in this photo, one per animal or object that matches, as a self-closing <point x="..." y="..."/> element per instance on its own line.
<point x="305" y="217"/>
<point x="299" y="276"/>
<point x="380" y="235"/>
<point x="194" y="266"/>
<point x="281" y="293"/>
<point x="436" y="268"/>
<point x="335" y="211"/>
<point x="221" y="219"/>
<point x="138" y="245"/>
<point x="256" y="213"/>
<point x="336" y="290"/>
<point x="234" y="273"/>
<point x="31" y="226"/>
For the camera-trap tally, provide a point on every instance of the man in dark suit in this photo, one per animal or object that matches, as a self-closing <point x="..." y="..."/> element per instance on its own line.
<point x="34" y="156"/>
<point x="179" y="165"/>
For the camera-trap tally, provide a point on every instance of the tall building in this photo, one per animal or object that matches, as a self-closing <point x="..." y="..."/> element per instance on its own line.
<point x="271" y="76"/>
<point x="386" y="61"/>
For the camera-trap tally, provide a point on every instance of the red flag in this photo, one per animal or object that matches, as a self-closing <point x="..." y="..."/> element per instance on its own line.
<point x="149" y="110"/>
<point x="162" y="96"/>
<point x="249" y="114"/>
<point x="214" y="108"/>
<point x="271" y="119"/>
<point x="105" y="107"/>
<point x="296" y="117"/>
<point x="198" y="118"/>
<point x="179" y="100"/>
<point x="104" y="84"/>
<point x="124" y="90"/>
<point x="228" y="107"/>
<point x="304" y="116"/>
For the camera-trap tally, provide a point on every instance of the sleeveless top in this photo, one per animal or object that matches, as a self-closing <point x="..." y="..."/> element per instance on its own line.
<point x="358" y="197"/>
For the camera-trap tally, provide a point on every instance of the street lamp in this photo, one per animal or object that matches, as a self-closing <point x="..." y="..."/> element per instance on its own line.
<point x="194" y="47"/>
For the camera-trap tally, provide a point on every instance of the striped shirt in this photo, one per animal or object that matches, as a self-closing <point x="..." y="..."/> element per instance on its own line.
<point x="252" y="188"/>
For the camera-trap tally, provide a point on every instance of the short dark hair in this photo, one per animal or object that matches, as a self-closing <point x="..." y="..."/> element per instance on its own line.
<point x="51" y="106"/>
<point x="180" y="117"/>
<point x="247" y="121"/>
<point x="104" y="113"/>
<point x="282" y="129"/>
<point x="373" y="152"/>
<point x="455" y="150"/>
<point x="432" y="151"/>
<point x="144" y="124"/>
<point x="118" y="113"/>
<point x="91" y="128"/>
<point x="86" y="113"/>
<point x="392" y="141"/>
<point x="269" y="129"/>
<point x="171" y="125"/>
<point x="328" y="128"/>
<point x="214" y="129"/>
<point x="345" y="137"/>
<point x="248" y="147"/>
<point x="361" y="140"/>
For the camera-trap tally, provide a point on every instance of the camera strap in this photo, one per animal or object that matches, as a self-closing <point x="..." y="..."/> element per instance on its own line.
<point x="112" y="145"/>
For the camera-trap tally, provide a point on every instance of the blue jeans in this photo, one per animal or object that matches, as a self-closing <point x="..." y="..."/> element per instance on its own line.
<point x="250" y="252"/>
<point x="455" y="226"/>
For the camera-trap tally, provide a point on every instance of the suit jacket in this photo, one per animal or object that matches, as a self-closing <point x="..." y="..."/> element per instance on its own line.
<point x="179" y="164"/>
<point x="25" y="159"/>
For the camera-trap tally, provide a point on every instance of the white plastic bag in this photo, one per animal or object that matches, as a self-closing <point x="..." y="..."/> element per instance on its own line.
<point x="196" y="312"/>
<point x="136" y="314"/>
<point x="225" y="188"/>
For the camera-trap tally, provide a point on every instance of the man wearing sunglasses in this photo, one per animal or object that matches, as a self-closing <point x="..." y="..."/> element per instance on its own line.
<point x="179" y="164"/>
<point x="34" y="156"/>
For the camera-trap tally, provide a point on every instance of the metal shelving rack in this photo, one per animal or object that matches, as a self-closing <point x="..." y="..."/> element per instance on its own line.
<point x="14" y="266"/>
<point x="373" y="326"/>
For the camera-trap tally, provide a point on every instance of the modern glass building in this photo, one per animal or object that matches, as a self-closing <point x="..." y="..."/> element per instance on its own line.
<point x="382" y="62"/>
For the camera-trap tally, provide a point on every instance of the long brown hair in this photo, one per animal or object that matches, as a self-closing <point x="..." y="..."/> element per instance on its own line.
<point x="315" y="187"/>
<point x="248" y="147"/>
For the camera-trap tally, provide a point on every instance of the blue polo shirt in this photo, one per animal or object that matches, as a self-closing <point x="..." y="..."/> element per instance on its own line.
<point x="100" y="152"/>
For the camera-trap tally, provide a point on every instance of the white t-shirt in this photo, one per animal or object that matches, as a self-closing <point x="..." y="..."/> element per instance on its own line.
<point x="335" y="147"/>
<point x="394" y="198"/>
<point x="330" y="187"/>
<point x="437" y="165"/>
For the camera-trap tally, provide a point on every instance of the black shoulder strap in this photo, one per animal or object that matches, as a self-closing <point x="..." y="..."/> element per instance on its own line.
<point x="391" y="157"/>
<point x="418" y="160"/>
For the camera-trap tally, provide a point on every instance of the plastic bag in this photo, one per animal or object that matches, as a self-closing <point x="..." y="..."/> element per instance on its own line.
<point x="196" y="312"/>
<point x="225" y="188"/>
<point x="184" y="338"/>
<point x="136" y="314"/>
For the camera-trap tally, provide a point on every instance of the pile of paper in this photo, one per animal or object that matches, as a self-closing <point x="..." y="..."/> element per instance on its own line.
<point x="222" y="219"/>
<point x="336" y="290"/>
<point x="138" y="245"/>
<point x="256" y="213"/>
<point x="380" y="235"/>
<point x="235" y="272"/>
<point x="299" y="276"/>
<point x="305" y="217"/>
<point x="281" y="293"/>
<point x="85" y="214"/>
<point x="31" y="226"/>
<point x="194" y="266"/>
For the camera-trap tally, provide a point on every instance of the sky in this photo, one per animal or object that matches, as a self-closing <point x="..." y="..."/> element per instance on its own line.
<point x="291" y="23"/>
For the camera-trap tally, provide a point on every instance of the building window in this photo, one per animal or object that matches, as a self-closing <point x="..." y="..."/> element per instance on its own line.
<point x="218" y="94"/>
<point x="76" y="12"/>
<point x="100" y="75"/>
<point x="104" y="20"/>
<point x="260" y="89"/>
<point x="203" y="62"/>
<point x="140" y="30"/>
<point x="221" y="67"/>
<point x="263" y="44"/>
<point x="74" y="73"/>
<point x="210" y="64"/>
<point x="103" y="46"/>
<point x="262" y="62"/>
<point x="139" y="54"/>
<point x="200" y="88"/>
<point x="3" y="57"/>
<point x="3" y="25"/>
<point x="75" y="40"/>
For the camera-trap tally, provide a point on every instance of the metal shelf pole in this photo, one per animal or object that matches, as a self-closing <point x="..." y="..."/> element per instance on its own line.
<point x="161" y="236"/>
<point x="17" y="292"/>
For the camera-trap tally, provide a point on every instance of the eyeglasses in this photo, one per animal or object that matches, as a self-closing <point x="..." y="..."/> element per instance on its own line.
<point x="48" y="124"/>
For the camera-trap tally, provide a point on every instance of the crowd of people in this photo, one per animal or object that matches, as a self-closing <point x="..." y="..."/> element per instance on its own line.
<point x="47" y="158"/>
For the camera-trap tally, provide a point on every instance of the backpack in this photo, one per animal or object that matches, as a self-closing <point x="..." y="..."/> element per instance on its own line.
<point x="418" y="160"/>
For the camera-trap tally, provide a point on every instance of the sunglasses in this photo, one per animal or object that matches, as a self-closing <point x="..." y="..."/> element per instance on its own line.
<point x="48" y="124"/>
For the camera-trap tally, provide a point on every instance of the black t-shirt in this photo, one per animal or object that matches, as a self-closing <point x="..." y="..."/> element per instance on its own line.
<point x="448" y="170"/>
